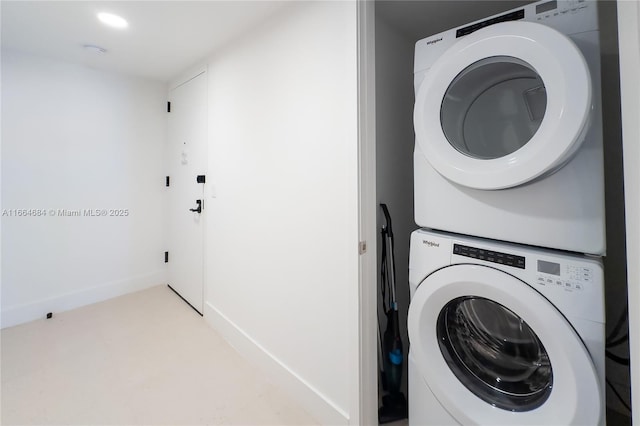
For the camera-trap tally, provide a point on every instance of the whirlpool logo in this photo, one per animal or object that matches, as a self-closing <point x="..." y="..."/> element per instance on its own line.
<point x="434" y="41"/>
<point x="430" y="243"/>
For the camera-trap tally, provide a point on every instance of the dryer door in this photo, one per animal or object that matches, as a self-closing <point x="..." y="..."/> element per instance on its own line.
<point x="495" y="351"/>
<point x="503" y="106"/>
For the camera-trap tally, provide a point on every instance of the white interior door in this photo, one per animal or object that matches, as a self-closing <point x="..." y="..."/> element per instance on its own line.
<point x="186" y="158"/>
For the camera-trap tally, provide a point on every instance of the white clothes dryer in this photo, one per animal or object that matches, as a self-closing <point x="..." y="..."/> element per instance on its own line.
<point x="503" y="334"/>
<point x="508" y="128"/>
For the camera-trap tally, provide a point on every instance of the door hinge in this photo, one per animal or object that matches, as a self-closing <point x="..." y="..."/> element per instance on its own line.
<point x="362" y="247"/>
<point x="167" y="181"/>
<point x="168" y="106"/>
<point x="166" y="257"/>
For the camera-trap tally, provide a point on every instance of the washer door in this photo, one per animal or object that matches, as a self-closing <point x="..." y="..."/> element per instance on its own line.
<point x="503" y="106"/>
<point x="494" y="351"/>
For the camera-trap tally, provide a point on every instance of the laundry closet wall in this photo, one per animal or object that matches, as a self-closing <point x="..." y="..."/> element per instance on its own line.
<point x="394" y="160"/>
<point x="615" y="260"/>
<point x="398" y="25"/>
<point x="76" y="139"/>
<point x="413" y="20"/>
<point x="281" y="271"/>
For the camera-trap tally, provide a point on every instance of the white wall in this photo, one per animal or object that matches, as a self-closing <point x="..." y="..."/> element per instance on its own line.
<point x="629" y="34"/>
<point x="281" y="247"/>
<point x="77" y="138"/>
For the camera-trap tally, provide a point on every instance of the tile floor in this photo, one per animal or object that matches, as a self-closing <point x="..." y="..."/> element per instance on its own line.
<point x="141" y="359"/>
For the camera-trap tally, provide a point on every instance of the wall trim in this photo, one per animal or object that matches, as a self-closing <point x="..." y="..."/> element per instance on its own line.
<point x="318" y="405"/>
<point x="15" y="315"/>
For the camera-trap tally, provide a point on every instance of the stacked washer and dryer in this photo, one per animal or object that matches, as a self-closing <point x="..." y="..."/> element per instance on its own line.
<point x="506" y="321"/>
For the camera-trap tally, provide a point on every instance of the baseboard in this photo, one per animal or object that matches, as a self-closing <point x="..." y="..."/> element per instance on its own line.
<point x="15" y="315"/>
<point x="316" y="404"/>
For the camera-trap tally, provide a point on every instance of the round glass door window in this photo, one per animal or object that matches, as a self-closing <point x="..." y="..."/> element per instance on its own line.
<point x="494" y="353"/>
<point x="493" y="107"/>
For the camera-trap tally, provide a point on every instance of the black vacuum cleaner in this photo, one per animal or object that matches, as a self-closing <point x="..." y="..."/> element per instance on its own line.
<point x="394" y="403"/>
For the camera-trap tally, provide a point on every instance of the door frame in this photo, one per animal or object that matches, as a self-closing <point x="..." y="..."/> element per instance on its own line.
<point x="365" y="389"/>
<point x="629" y="49"/>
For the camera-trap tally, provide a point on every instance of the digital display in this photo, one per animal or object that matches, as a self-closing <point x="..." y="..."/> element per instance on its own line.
<point x="548" y="267"/>
<point x="545" y="7"/>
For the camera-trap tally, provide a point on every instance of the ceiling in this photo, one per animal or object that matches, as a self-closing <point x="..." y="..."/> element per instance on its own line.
<point x="166" y="37"/>
<point x="163" y="38"/>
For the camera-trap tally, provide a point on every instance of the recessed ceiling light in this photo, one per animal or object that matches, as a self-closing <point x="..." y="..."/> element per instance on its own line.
<point x="94" y="49"/>
<point x="112" y="20"/>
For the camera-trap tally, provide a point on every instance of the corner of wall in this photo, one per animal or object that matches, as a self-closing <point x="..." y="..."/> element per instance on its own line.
<point x="15" y="315"/>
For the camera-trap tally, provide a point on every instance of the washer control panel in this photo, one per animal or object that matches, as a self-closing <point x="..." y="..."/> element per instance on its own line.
<point x="490" y="256"/>
<point x="563" y="275"/>
<point x="550" y="272"/>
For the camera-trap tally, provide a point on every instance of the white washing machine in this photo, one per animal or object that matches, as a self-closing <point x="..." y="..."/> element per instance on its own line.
<point x="504" y="334"/>
<point x="509" y="128"/>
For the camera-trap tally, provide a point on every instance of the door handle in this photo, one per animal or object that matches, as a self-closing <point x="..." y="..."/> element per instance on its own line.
<point x="198" y="209"/>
